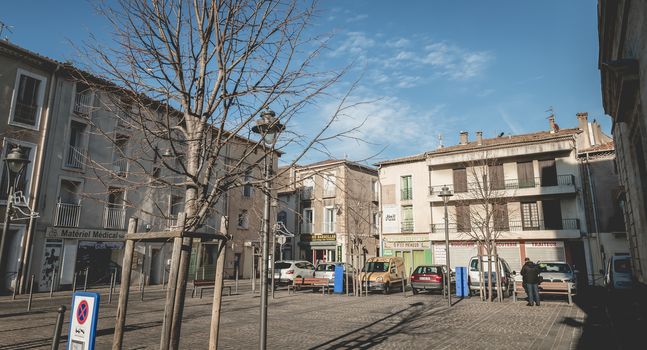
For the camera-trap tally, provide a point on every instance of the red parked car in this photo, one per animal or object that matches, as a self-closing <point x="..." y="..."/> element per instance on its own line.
<point x="428" y="278"/>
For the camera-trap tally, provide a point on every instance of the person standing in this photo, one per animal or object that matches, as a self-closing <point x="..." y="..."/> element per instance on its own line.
<point x="523" y="275"/>
<point x="530" y="273"/>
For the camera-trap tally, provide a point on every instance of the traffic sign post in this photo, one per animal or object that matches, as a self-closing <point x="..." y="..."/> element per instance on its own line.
<point x="83" y="321"/>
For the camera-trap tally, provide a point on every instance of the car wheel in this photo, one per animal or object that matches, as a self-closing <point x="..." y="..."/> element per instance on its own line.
<point x="415" y="291"/>
<point x="386" y="289"/>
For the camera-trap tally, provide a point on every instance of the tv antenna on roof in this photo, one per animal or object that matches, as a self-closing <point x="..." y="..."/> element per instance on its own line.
<point x="4" y="26"/>
<point x="440" y="141"/>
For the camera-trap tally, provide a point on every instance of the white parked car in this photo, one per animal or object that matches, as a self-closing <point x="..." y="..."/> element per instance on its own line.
<point x="618" y="273"/>
<point x="475" y="278"/>
<point x="327" y="270"/>
<point x="286" y="270"/>
<point x="558" y="271"/>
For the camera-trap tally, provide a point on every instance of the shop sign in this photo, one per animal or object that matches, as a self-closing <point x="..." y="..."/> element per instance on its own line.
<point x="439" y="252"/>
<point x="549" y="244"/>
<point x="85" y="234"/>
<point x="390" y="218"/>
<point x="406" y="245"/>
<point x="319" y="238"/>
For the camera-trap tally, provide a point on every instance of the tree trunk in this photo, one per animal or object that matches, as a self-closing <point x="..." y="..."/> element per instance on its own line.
<point x="499" y="290"/>
<point x="481" y="274"/>
<point x="489" y="272"/>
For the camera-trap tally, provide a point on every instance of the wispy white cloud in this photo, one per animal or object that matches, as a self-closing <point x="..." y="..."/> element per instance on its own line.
<point x="455" y="62"/>
<point x="398" y="43"/>
<point x="357" y="18"/>
<point x="355" y="43"/>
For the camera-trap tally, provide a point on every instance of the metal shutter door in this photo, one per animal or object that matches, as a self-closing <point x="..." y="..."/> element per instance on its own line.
<point x="460" y="254"/>
<point x="545" y="251"/>
<point x="509" y="251"/>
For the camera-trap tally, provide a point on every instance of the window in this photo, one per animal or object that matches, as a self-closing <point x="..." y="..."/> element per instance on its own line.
<point x="463" y="223"/>
<point x="329" y="185"/>
<point x="68" y="206"/>
<point x="329" y="220"/>
<point x="500" y="216"/>
<point x="497" y="180"/>
<point x="548" y="172"/>
<point x="247" y="187"/>
<point x="76" y="149"/>
<point x="119" y="161"/>
<point x="407" y="218"/>
<point x="243" y="219"/>
<point x="552" y="214"/>
<point x="28" y="98"/>
<point x="115" y="211"/>
<point x="406" y="192"/>
<point x="529" y="216"/>
<point x="376" y="190"/>
<point x="308" y="220"/>
<point x="526" y="174"/>
<point x="82" y="100"/>
<point x="24" y="182"/>
<point x="282" y="217"/>
<point x="460" y="180"/>
<point x="376" y="224"/>
<point x="308" y="188"/>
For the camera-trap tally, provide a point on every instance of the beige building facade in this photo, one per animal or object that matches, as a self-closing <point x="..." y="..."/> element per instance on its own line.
<point x="331" y="207"/>
<point x="623" y="69"/>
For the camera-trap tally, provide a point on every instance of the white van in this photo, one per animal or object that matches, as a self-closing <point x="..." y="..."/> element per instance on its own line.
<point x="475" y="278"/>
<point x="618" y="273"/>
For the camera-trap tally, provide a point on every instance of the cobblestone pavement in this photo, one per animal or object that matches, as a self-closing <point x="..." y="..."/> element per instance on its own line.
<point x="312" y="321"/>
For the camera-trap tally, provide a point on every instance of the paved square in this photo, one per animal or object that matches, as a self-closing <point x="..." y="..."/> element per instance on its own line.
<point x="311" y="321"/>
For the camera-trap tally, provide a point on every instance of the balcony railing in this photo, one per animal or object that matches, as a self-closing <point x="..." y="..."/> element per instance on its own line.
<point x="25" y="113"/>
<point x="513" y="184"/>
<point x="83" y="103"/>
<point x="171" y="222"/>
<point x="307" y="193"/>
<point x="407" y="225"/>
<point x="75" y="157"/>
<point x="67" y="215"/>
<point x="120" y="167"/>
<point x="329" y="192"/>
<point x="114" y="217"/>
<point x="406" y="194"/>
<point x="516" y="226"/>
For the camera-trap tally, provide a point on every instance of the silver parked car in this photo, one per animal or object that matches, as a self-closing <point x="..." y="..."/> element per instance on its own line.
<point x="327" y="270"/>
<point x="286" y="270"/>
<point x="558" y="271"/>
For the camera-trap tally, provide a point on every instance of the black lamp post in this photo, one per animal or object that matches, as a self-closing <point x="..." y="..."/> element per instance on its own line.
<point x="269" y="128"/>
<point x="445" y="194"/>
<point x="15" y="163"/>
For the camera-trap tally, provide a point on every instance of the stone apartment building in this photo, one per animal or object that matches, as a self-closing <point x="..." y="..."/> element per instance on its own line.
<point x="623" y="70"/>
<point x="90" y="172"/>
<point x="331" y="207"/>
<point x="533" y="185"/>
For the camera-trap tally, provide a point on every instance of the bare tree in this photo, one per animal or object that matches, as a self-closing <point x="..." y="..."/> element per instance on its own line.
<point x="482" y="212"/>
<point x="189" y="79"/>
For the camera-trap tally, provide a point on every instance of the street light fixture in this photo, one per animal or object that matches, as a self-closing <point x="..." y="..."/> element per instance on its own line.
<point x="16" y="163"/>
<point x="269" y="128"/>
<point x="445" y="194"/>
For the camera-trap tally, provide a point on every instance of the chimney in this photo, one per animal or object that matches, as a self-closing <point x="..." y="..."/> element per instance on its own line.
<point x="582" y="121"/>
<point x="553" y="126"/>
<point x="463" y="139"/>
<point x="479" y="138"/>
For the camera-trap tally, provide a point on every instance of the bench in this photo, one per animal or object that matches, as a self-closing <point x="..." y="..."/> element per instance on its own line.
<point x="206" y="284"/>
<point x="546" y="287"/>
<point x="314" y="283"/>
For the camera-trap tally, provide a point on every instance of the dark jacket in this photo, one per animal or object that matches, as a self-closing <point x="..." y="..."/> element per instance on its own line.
<point x="530" y="273"/>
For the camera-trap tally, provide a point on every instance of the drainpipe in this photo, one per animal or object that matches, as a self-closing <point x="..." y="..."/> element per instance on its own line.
<point x="24" y="265"/>
<point x="595" y="214"/>
<point x="379" y="199"/>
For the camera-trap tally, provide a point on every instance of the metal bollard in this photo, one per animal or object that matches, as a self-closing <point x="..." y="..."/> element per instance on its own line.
<point x="112" y="287"/>
<point x="74" y="283"/>
<point x="404" y="293"/>
<point x="514" y="290"/>
<point x="85" y="284"/>
<point x="236" y="279"/>
<point x="164" y="278"/>
<point x="59" y="325"/>
<point x="51" y="287"/>
<point x="31" y="292"/>
<point x="570" y="297"/>
<point x="141" y="292"/>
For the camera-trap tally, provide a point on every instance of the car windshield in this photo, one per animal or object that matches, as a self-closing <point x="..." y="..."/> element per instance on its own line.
<point x="326" y="267"/>
<point x="282" y="265"/>
<point x="622" y="266"/>
<point x="427" y="270"/>
<point x="376" y="266"/>
<point x="554" y="267"/>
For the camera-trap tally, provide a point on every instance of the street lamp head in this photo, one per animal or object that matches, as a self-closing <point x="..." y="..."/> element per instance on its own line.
<point x="268" y="127"/>
<point x="16" y="160"/>
<point x="445" y="193"/>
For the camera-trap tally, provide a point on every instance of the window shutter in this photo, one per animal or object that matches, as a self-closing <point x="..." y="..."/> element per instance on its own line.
<point x="460" y="180"/>
<point x="548" y="172"/>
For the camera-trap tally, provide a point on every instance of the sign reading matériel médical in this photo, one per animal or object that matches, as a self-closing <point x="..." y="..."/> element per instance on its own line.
<point x="83" y="321"/>
<point x="84" y="234"/>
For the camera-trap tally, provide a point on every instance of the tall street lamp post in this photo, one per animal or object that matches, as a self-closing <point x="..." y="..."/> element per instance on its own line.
<point x="15" y="162"/>
<point x="268" y="127"/>
<point x="445" y="193"/>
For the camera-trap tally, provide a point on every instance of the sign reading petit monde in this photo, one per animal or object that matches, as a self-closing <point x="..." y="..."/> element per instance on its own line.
<point x="86" y="234"/>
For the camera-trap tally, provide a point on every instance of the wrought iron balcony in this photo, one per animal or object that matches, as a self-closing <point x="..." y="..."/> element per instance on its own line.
<point x="67" y="215"/>
<point x="406" y="194"/>
<point x="512" y="184"/>
<point x="307" y="193"/>
<point x="114" y="217"/>
<point x="515" y="226"/>
<point x="407" y="225"/>
<point x="75" y="157"/>
<point x="83" y="103"/>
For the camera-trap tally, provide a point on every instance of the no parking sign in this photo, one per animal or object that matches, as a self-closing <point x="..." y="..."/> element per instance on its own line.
<point x="83" y="321"/>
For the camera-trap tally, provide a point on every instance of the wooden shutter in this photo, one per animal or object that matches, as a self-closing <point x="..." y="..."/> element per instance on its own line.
<point x="548" y="172"/>
<point x="460" y="180"/>
<point x="500" y="216"/>
<point x="496" y="177"/>
<point x="526" y="174"/>
<point x="463" y="218"/>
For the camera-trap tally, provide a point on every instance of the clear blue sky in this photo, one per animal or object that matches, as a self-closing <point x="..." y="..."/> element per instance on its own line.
<point x="430" y="67"/>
